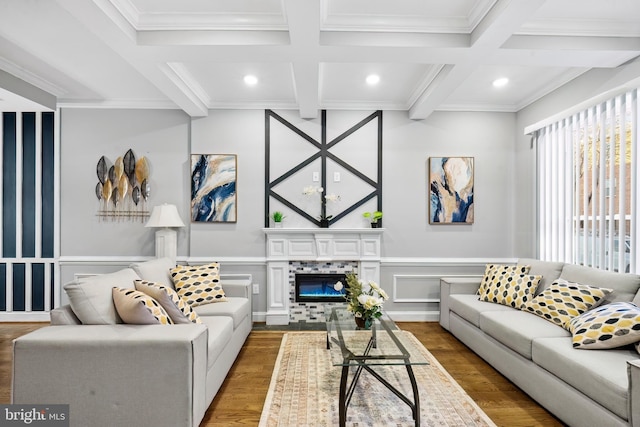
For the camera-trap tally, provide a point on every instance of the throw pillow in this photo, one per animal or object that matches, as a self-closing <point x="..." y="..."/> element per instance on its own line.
<point x="512" y="289"/>
<point x="563" y="300"/>
<point x="138" y="308"/>
<point x="199" y="284"/>
<point x="176" y="307"/>
<point x="91" y="297"/>
<point x="610" y="326"/>
<point x="495" y="272"/>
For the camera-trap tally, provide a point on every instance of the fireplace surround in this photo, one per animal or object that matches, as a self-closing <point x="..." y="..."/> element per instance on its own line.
<point x="361" y="246"/>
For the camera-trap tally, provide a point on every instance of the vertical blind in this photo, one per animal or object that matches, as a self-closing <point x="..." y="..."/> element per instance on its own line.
<point x="587" y="166"/>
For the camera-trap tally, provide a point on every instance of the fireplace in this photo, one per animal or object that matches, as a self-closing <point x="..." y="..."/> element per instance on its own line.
<point x="318" y="287"/>
<point x="346" y="250"/>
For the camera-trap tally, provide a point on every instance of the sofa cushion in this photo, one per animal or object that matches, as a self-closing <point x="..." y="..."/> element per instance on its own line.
<point x="599" y="374"/>
<point x="549" y="271"/>
<point x="155" y="270"/>
<point x="495" y="272"/>
<point x="234" y="307"/>
<point x="624" y="285"/>
<point x="608" y="326"/>
<point x="176" y="307"/>
<point x="469" y="307"/>
<point x="220" y="330"/>
<point x="91" y="297"/>
<point x="517" y="329"/>
<point x="513" y="290"/>
<point x="138" y="308"/>
<point x="199" y="284"/>
<point x="563" y="301"/>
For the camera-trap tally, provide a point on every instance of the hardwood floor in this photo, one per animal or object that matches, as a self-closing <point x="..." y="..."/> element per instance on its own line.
<point x="239" y="401"/>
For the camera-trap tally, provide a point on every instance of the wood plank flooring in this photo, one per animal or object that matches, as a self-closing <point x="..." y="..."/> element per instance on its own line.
<point x="239" y="401"/>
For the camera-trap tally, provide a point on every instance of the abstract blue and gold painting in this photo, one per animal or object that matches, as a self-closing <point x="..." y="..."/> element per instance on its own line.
<point x="213" y="188"/>
<point x="451" y="190"/>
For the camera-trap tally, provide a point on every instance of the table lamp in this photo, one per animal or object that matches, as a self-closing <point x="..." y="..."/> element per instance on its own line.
<point x="163" y="217"/>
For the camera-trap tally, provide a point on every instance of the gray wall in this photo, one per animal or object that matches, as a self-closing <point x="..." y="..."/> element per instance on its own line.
<point x="411" y="246"/>
<point x="415" y="253"/>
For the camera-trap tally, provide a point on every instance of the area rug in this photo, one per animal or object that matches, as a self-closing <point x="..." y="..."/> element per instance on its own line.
<point x="304" y="391"/>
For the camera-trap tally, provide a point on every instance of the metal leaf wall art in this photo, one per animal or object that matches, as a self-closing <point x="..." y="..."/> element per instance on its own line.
<point x="123" y="188"/>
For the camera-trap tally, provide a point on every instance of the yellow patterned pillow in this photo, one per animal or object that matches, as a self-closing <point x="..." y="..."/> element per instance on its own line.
<point x="199" y="284"/>
<point x="512" y="289"/>
<point x="563" y="300"/>
<point x="138" y="308"/>
<point x="495" y="272"/>
<point x="610" y="326"/>
<point x="176" y="307"/>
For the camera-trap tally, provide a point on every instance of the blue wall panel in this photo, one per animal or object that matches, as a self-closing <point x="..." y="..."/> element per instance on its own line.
<point x="48" y="180"/>
<point x="9" y="185"/>
<point x="28" y="185"/>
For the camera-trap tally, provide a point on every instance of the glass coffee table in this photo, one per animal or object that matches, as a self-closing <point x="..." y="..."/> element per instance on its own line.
<point x="366" y="349"/>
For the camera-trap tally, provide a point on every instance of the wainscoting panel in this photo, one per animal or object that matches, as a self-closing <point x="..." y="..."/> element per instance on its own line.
<point x="416" y="288"/>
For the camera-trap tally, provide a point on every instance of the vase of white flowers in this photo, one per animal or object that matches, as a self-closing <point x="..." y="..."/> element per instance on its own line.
<point x="363" y="300"/>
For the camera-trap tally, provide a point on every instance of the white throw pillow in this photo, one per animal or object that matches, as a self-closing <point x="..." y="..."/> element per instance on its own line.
<point x="155" y="270"/>
<point x="91" y="297"/>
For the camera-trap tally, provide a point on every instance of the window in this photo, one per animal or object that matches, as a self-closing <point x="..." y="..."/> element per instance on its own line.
<point x="587" y="186"/>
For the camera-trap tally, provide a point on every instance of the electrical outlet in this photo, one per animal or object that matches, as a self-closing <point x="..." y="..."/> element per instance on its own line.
<point x="336" y="177"/>
<point x="315" y="176"/>
<point x="256" y="288"/>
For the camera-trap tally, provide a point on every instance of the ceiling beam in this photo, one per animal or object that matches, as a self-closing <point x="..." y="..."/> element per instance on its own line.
<point x="504" y="18"/>
<point x="107" y="23"/>
<point x="17" y="87"/>
<point x="303" y="18"/>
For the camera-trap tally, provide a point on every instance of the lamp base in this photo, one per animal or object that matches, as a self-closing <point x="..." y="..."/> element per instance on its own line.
<point x="167" y="244"/>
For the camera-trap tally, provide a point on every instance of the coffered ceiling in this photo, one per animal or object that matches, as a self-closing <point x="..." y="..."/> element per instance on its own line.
<point x="309" y="55"/>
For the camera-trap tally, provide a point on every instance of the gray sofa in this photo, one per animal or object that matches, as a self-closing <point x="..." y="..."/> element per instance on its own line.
<point x="581" y="387"/>
<point x="116" y="374"/>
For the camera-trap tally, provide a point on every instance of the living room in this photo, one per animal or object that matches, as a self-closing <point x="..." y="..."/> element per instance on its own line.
<point x="166" y="99"/>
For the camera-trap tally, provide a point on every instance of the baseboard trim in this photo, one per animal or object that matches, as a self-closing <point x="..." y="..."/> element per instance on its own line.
<point x="27" y="316"/>
<point x="414" y="316"/>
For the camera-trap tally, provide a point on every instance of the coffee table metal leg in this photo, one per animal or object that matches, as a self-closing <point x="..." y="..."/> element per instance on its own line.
<point x="416" y="397"/>
<point x="342" y="403"/>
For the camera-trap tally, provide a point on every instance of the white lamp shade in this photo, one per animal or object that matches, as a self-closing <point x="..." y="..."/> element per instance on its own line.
<point x="165" y="216"/>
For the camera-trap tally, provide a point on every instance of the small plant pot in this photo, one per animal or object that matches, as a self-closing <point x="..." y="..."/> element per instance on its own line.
<point x="277" y="224"/>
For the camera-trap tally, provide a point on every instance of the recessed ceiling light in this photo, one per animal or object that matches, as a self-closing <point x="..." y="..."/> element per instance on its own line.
<point x="250" y="80"/>
<point x="373" y="79"/>
<point x="502" y="81"/>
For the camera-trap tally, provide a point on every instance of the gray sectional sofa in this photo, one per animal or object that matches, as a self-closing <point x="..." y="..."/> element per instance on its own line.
<point x="115" y="374"/>
<point x="581" y="387"/>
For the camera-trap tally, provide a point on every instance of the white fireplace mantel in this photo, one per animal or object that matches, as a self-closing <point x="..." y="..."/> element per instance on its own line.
<point x="315" y="244"/>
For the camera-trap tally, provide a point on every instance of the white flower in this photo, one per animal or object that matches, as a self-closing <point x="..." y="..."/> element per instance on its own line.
<point x="311" y="189"/>
<point x="383" y="294"/>
<point x="374" y="285"/>
<point x="369" y="301"/>
<point x="332" y="197"/>
<point x="338" y="286"/>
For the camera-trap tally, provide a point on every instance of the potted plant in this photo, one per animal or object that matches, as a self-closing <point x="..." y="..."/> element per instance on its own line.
<point x="277" y="217"/>
<point x="324" y="220"/>
<point x="363" y="300"/>
<point x="374" y="217"/>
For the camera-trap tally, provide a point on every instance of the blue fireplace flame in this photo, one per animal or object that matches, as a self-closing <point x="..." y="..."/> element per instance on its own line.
<point x="319" y="287"/>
